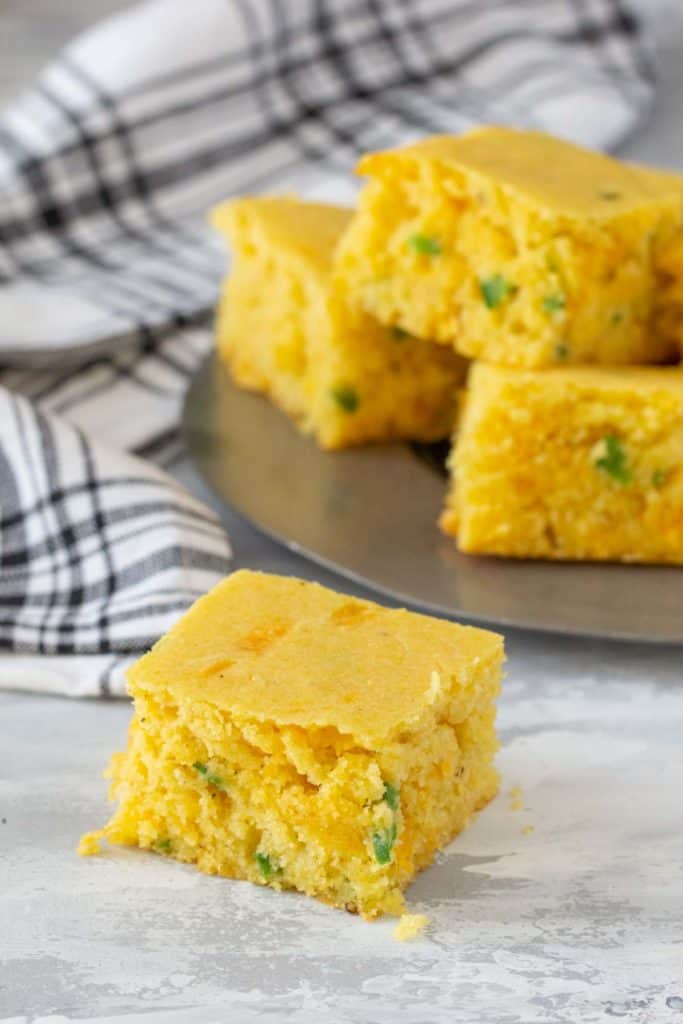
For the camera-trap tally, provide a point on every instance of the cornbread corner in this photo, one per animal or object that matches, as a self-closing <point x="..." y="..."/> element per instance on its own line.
<point x="520" y="249"/>
<point x="285" y="328"/>
<point x="578" y="463"/>
<point x="306" y="740"/>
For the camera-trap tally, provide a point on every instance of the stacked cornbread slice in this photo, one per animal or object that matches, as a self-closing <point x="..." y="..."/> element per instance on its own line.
<point x="520" y="250"/>
<point x="578" y="463"/>
<point x="538" y="258"/>
<point x="559" y="270"/>
<point x="301" y="739"/>
<point x="288" y="329"/>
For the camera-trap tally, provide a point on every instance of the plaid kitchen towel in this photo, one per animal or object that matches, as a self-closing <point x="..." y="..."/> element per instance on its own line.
<point x="108" y="274"/>
<point x="100" y="553"/>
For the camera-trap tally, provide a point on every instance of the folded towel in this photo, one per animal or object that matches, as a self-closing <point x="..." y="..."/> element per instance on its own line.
<point x="101" y="552"/>
<point x="108" y="274"/>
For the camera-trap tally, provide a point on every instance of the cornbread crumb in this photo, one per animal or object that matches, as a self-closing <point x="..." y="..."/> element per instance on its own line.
<point x="89" y="845"/>
<point x="245" y="759"/>
<point x="286" y="329"/>
<point x="527" y="830"/>
<point x="520" y="249"/>
<point x="582" y="463"/>
<point x="516" y="798"/>
<point x="410" y="926"/>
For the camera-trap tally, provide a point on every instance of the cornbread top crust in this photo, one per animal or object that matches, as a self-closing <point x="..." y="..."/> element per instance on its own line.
<point x="279" y="649"/>
<point x="308" y="231"/>
<point x="560" y="177"/>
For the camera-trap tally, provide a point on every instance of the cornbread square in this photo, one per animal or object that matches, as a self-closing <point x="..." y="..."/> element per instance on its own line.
<point x="570" y="463"/>
<point x="285" y="329"/>
<point x="306" y="740"/>
<point x="520" y="249"/>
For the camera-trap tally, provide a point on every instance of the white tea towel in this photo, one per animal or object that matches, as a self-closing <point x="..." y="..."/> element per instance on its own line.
<point x="108" y="273"/>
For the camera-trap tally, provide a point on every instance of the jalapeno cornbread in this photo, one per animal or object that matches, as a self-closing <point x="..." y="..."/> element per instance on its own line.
<point x="285" y="328"/>
<point x="302" y="739"/>
<point x="572" y="463"/>
<point x="520" y="249"/>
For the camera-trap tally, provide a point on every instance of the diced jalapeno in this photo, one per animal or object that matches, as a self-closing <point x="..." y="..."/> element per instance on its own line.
<point x="383" y="842"/>
<point x="614" y="460"/>
<point x="553" y="303"/>
<point x="391" y="795"/>
<point x="267" y="866"/>
<point x="211" y="777"/>
<point x="346" y="398"/>
<point x="425" y="245"/>
<point x="495" y="290"/>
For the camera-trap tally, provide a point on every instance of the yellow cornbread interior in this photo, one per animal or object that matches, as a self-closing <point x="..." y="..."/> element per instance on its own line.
<point x="306" y="740"/>
<point x="286" y="330"/>
<point x="520" y="249"/>
<point x="580" y="463"/>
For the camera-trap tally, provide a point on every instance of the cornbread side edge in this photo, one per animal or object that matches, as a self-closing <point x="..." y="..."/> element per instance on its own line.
<point x="573" y="464"/>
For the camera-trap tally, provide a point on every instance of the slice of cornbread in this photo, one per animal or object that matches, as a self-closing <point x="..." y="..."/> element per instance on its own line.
<point x="520" y="249"/>
<point x="284" y="328"/>
<point x="306" y="740"/>
<point x="570" y="463"/>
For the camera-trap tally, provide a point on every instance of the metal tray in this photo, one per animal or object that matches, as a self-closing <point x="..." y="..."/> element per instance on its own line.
<point x="371" y="514"/>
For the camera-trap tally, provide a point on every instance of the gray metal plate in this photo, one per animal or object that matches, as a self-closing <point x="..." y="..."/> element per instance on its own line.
<point x="371" y="514"/>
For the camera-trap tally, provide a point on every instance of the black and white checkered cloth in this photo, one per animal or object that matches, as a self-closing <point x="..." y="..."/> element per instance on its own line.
<point x="108" y="274"/>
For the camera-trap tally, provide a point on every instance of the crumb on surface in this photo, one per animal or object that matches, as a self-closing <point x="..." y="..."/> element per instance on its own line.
<point x="527" y="830"/>
<point x="516" y="798"/>
<point x="89" y="845"/>
<point x="410" y="926"/>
